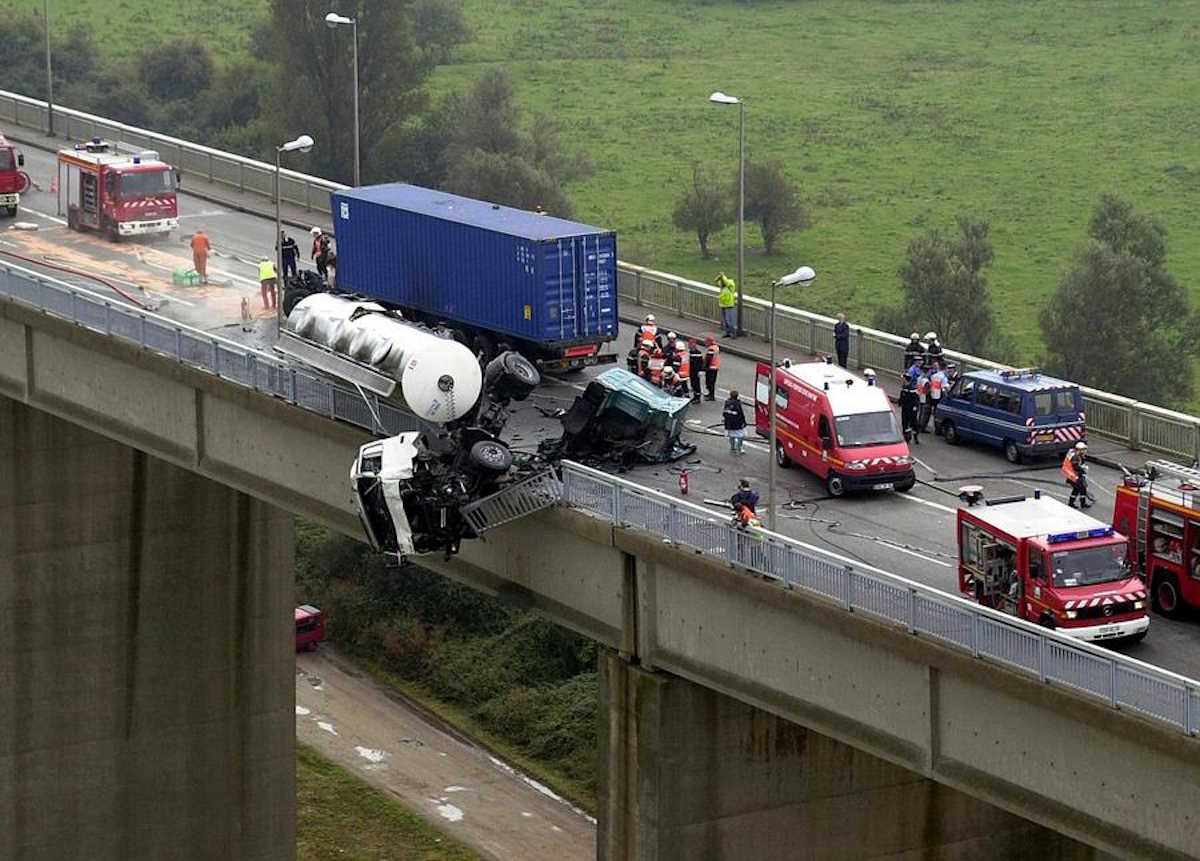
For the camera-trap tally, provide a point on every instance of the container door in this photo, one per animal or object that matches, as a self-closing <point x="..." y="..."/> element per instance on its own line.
<point x="595" y="295"/>
<point x="569" y="269"/>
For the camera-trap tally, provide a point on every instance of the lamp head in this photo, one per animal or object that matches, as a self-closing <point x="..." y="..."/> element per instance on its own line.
<point x="304" y="143"/>
<point x="333" y="19"/>
<point x="802" y="276"/>
<point x="723" y="99"/>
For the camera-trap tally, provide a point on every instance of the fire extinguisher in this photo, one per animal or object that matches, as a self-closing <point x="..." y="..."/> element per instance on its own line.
<point x="683" y="482"/>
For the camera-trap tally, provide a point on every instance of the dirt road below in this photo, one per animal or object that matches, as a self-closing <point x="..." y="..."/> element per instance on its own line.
<point x="353" y="721"/>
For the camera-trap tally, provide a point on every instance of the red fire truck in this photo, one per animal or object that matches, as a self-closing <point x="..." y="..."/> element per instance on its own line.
<point x="13" y="180"/>
<point x="310" y="627"/>
<point x="117" y="193"/>
<point x="1050" y="564"/>
<point x="1160" y="509"/>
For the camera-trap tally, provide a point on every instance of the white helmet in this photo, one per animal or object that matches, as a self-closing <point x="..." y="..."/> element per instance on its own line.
<point x="316" y="231"/>
<point x="649" y="318"/>
<point x="680" y="344"/>
<point x="670" y="337"/>
<point x="931" y="336"/>
<point x="914" y="337"/>
<point x="1081" y="446"/>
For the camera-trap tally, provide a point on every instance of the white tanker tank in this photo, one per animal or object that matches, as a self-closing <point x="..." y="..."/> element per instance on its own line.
<point x="440" y="379"/>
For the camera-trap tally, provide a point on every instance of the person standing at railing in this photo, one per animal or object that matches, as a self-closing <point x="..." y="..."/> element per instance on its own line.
<point x="933" y="349"/>
<point x="727" y="302"/>
<point x="695" y="366"/>
<point x="745" y="495"/>
<point x="914" y="352"/>
<point x="200" y="248"/>
<point x="712" y="364"/>
<point x="841" y="339"/>
<point x="908" y="408"/>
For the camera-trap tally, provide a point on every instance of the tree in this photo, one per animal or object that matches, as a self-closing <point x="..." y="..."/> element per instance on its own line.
<point x="508" y="179"/>
<point x="944" y="288"/>
<point x="315" y="77"/>
<point x="438" y="27"/>
<point x="1119" y="320"/>
<point x="703" y="208"/>
<point x="24" y="68"/>
<point x="175" y="71"/>
<point x="773" y="202"/>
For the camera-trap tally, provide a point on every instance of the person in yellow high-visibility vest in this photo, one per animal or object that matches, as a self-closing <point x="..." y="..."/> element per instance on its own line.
<point x="267" y="280"/>
<point x="727" y="302"/>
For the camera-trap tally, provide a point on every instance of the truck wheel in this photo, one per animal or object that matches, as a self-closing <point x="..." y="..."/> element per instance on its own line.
<point x="1011" y="453"/>
<point x="835" y="484"/>
<point x="491" y="455"/>
<point x="11" y="210"/>
<point x="1165" y="596"/>
<point x="111" y="231"/>
<point x="949" y="432"/>
<point x="906" y="486"/>
<point x="781" y="456"/>
<point x="1136" y="638"/>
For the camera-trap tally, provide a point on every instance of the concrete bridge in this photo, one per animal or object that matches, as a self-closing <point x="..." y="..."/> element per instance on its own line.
<point x="145" y="580"/>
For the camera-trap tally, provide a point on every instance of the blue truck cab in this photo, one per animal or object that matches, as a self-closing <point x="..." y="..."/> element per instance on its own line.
<point x="1024" y="412"/>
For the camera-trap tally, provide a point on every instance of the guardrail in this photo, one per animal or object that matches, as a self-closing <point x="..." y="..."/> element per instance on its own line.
<point x="1137" y="424"/>
<point x="225" y="359"/>
<point x="1051" y="657"/>
<point x="214" y="165"/>
<point x="1122" y="682"/>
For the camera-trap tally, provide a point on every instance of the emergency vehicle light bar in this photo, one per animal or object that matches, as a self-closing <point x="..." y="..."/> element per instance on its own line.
<point x="1020" y="372"/>
<point x="1098" y="532"/>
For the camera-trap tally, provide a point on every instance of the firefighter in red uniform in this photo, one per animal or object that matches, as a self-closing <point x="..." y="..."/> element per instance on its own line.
<point x="643" y="359"/>
<point x="683" y="366"/>
<point x="1075" y="471"/>
<point x="648" y="330"/>
<point x="657" y="362"/>
<point x="712" y="364"/>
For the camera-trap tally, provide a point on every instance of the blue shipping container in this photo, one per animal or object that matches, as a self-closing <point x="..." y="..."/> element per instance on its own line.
<point x="533" y="277"/>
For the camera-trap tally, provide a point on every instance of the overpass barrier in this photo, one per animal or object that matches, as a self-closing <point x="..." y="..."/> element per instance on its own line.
<point x="1137" y="424"/>
<point x="225" y="359"/>
<point x="1053" y="658"/>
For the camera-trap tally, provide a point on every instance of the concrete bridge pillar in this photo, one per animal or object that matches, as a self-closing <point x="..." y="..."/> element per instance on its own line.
<point x="687" y="773"/>
<point x="146" y="655"/>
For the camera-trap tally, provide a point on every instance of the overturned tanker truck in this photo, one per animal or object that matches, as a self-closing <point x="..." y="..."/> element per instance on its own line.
<point x="424" y="490"/>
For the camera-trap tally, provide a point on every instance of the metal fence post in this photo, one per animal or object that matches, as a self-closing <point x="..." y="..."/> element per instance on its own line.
<point x="1134" y="429"/>
<point x="1042" y="657"/>
<point x="178" y="340"/>
<point x="730" y="538"/>
<point x="673" y="525"/>
<point x="616" y="505"/>
<point x="210" y="168"/>
<point x="679" y="298"/>
<point x="241" y="176"/>
<point x="848" y="587"/>
<point x="637" y="287"/>
<point x="1112" y="683"/>
<point x="975" y="634"/>
<point x="307" y="196"/>
<point x="912" y="610"/>
<point x="216" y="359"/>
<point x="858" y="352"/>
<point x="812" y="335"/>
<point x="1189" y="713"/>
<point x="292" y="386"/>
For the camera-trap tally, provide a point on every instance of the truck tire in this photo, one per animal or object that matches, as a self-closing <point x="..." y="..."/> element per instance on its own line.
<point x="950" y="433"/>
<point x="906" y="486"/>
<point x="781" y="456"/>
<point x="491" y="455"/>
<point x="111" y="232"/>
<point x="1165" y="597"/>
<point x="1011" y="453"/>
<point x="11" y="210"/>
<point x="835" y="484"/>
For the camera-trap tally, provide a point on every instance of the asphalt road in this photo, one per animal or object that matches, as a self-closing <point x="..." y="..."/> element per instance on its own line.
<point x="910" y="534"/>
<point x="462" y="788"/>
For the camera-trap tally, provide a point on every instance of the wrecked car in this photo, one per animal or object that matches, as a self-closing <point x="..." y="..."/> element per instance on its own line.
<point x="624" y="419"/>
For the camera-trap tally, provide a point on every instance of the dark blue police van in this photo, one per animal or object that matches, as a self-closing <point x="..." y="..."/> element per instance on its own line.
<point x="1024" y="412"/>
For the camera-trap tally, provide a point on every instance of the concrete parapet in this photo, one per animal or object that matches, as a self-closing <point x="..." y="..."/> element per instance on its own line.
<point x="146" y="655"/>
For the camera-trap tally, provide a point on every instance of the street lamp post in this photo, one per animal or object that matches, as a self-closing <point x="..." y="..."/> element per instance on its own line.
<point x="49" y="75"/>
<point x="720" y="98"/>
<point x="802" y="276"/>
<point x="333" y="20"/>
<point x="304" y="143"/>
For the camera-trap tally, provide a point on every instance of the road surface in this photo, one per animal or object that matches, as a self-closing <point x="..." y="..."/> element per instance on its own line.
<point x="463" y="789"/>
<point x="910" y="534"/>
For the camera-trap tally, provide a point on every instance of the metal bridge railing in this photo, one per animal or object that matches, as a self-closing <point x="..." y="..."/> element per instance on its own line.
<point x="1051" y="657"/>
<point x="1137" y="424"/>
<point x="1121" y="682"/>
<point x="225" y="359"/>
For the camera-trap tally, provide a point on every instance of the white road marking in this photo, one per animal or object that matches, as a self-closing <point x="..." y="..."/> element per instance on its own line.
<point x="208" y="213"/>
<point x="449" y="811"/>
<point x="44" y="215"/>
<point x="370" y="754"/>
<point x="328" y="727"/>
<point x="456" y="788"/>
<point x="890" y="546"/>
<point x="931" y="504"/>
<point x="302" y="711"/>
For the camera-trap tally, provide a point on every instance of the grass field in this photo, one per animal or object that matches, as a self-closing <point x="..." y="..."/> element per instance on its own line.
<point x="339" y="816"/>
<point x="892" y="117"/>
